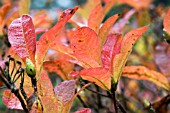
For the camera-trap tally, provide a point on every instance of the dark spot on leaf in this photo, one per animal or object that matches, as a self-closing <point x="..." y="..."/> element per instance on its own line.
<point x="31" y="70"/>
<point x="72" y="11"/>
<point x="80" y="41"/>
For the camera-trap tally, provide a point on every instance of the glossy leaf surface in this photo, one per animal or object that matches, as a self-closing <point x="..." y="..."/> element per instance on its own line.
<point x="64" y="93"/>
<point x="99" y="76"/>
<point x="45" y="40"/>
<point x="21" y="35"/>
<point x="143" y="73"/>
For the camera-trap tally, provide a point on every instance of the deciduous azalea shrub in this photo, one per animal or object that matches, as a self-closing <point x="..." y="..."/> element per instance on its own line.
<point x="89" y="54"/>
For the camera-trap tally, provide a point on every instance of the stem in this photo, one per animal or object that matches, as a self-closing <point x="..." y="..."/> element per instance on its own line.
<point x="115" y="102"/>
<point x="81" y="100"/>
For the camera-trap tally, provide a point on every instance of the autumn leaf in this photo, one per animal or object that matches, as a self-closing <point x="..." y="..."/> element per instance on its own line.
<point x="109" y="4"/>
<point x="95" y="18"/>
<point x="99" y="76"/>
<point x="86" y="48"/>
<point x="126" y="47"/>
<point x="61" y="66"/>
<point x="139" y="4"/>
<point x="10" y="100"/>
<point x="64" y="93"/>
<point x="45" y="40"/>
<point x="24" y="6"/>
<point x="162" y="56"/>
<point x="143" y="73"/>
<point x="110" y="49"/>
<point x="46" y="94"/>
<point x="84" y="110"/>
<point x="21" y="35"/>
<point x="103" y="31"/>
<point x="166" y="21"/>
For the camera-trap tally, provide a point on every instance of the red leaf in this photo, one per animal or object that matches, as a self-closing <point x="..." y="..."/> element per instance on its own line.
<point x="21" y="35"/>
<point x="162" y="56"/>
<point x="95" y="18"/>
<point x="84" y="110"/>
<point x="99" y="76"/>
<point x="143" y="73"/>
<point x="45" y="40"/>
<point x="86" y="48"/>
<point x="60" y="65"/>
<point x="166" y="21"/>
<point x="103" y="31"/>
<point x="110" y="49"/>
<point x="126" y="47"/>
<point x="64" y="93"/>
<point x="10" y="100"/>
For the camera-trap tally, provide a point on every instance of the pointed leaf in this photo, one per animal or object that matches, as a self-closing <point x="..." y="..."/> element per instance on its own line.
<point x="64" y="93"/>
<point x="103" y="31"/>
<point x="108" y="6"/>
<point x="126" y="47"/>
<point x="46" y="39"/>
<point x="95" y="18"/>
<point x="21" y="35"/>
<point x="143" y="73"/>
<point x="100" y="76"/>
<point x="10" y="100"/>
<point x="166" y="21"/>
<point x="46" y="94"/>
<point x="110" y="49"/>
<point x="24" y="6"/>
<point x="60" y="65"/>
<point x="86" y="48"/>
<point x="84" y="110"/>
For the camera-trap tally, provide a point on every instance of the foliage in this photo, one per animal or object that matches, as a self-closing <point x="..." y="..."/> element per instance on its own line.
<point x="91" y="54"/>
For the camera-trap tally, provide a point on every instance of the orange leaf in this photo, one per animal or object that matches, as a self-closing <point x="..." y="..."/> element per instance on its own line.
<point x="95" y="18"/>
<point x="126" y="47"/>
<point x="137" y="4"/>
<point x="60" y="65"/>
<point x="46" y="94"/>
<point x="21" y="35"/>
<point x="143" y="73"/>
<point x="108" y="6"/>
<point x="85" y="46"/>
<point x="84" y="110"/>
<point x="100" y="76"/>
<point x="166" y="21"/>
<point x="103" y="31"/>
<point x="45" y="40"/>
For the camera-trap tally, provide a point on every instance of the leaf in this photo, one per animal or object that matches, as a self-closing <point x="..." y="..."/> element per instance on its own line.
<point x="21" y="35"/>
<point x="45" y="40"/>
<point x="84" y="110"/>
<point x="86" y="48"/>
<point x="64" y="93"/>
<point x="61" y="66"/>
<point x="126" y="47"/>
<point x="108" y="6"/>
<point x="10" y="100"/>
<point x="103" y="31"/>
<point x="46" y="94"/>
<point x="24" y="6"/>
<point x="162" y="56"/>
<point x="95" y="18"/>
<point x="120" y="24"/>
<point x="110" y="49"/>
<point x="139" y="4"/>
<point x="100" y="76"/>
<point x="166" y="21"/>
<point x="143" y="73"/>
